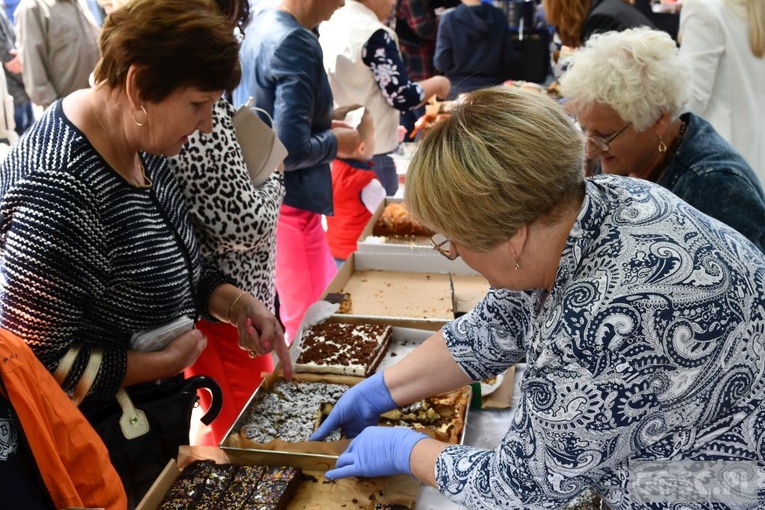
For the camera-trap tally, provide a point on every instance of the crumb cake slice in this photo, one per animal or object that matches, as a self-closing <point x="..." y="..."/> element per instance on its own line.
<point x="343" y="349"/>
<point x="288" y="411"/>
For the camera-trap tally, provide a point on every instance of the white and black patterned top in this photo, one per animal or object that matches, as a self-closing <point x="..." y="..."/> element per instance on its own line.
<point x="234" y="220"/>
<point x="650" y="346"/>
<point x="84" y="256"/>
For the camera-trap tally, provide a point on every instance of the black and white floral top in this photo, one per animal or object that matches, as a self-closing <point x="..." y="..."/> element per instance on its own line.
<point x="383" y="58"/>
<point x="234" y="220"/>
<point x="650" y="347"/>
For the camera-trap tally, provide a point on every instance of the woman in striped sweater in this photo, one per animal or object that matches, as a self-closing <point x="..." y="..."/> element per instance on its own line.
<point x="95" y="241"/>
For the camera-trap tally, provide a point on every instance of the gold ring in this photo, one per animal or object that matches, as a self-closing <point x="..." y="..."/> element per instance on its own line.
<point x="252" y="354"/>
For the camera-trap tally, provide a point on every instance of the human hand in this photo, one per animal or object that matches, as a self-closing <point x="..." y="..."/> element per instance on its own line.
<point x="347" y="141"/>
<point x="443" y="86"/>
<point x="184" y="350"/>
<point x="358" y="408"/>
<point x="260" y="331"/>
<point x="401" y="134"/>
<point x="14" y="65"/>
<point x="377" y="451"/>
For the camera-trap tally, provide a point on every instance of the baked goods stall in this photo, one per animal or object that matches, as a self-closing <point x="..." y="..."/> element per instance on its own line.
<point x="388" y="297"/>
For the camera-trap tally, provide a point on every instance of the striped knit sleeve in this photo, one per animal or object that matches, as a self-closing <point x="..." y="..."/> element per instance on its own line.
<point x="54" y="265"/>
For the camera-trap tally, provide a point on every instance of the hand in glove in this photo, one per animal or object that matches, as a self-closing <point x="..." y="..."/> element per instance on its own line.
<point x="358" y="408"/>
<point x="377" y="451"/>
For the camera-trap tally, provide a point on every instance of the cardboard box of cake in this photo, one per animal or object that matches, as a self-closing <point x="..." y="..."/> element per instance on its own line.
<point x="282" y="415"/>
<point x="391" y="229"/>
<point x="208" y="477"/>
<point x="414" y="290"/>
<point x="331" y="357"/>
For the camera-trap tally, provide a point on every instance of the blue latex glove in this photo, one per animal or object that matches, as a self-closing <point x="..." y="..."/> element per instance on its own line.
<point x="358" y="408"/>
<point x="377" y="451"/>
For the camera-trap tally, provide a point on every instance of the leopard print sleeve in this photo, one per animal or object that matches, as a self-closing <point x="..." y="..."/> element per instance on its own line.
<point x="234" y="220"/>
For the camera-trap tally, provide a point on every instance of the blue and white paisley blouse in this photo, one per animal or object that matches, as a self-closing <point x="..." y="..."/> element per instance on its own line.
<point x="650" y="346"/>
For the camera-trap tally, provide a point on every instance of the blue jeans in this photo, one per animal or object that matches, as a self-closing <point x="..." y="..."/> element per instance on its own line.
<point x="23" y="116"/>
<point x="385" y="170"/>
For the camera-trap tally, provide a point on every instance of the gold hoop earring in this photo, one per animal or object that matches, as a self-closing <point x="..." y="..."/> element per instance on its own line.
<point x="517" y="265"/>
<point x="662" y="146"/>
<point x="140" y="124"/>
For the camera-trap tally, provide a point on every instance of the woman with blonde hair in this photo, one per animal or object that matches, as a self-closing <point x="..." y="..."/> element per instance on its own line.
<point x="577" y="20"/>
<point x="639" y="318"/>
<point x="636" y="125"/>
<point x="723" y="43"/>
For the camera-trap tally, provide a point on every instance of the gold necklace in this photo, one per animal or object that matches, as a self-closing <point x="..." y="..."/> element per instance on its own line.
<point x="132" y="181"/>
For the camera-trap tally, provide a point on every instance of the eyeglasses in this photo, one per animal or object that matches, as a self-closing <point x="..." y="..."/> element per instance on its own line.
<point x="444" y="246"/>
<point x="603" y="144"/>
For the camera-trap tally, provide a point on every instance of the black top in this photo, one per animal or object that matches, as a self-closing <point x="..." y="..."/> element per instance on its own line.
<point x="20" y="482"/>
<point x="88" y="258"/>
<point x="608" y="15"/>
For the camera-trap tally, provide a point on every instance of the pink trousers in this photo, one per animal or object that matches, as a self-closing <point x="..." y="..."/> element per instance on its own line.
<point x="304" y="264"/>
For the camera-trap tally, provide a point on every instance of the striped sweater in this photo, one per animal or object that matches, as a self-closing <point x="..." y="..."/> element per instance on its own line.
<point x="86" y="257"/>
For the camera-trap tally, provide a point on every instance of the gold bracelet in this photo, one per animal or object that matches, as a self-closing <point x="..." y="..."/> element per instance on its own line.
<point x="233" y="304"/>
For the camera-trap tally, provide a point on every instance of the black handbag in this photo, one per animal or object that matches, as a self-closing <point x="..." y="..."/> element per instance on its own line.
<point x="146" y="423"/>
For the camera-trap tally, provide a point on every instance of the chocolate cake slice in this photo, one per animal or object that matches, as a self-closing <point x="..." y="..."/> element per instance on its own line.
<point x="343" y="349"/>
<point x="275" y="490"/>
<point x="207" y="485"/>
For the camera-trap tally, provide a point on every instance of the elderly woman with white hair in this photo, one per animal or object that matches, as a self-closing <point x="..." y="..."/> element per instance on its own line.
<point x="641" y="321"/>
<point x="628" y="91"/>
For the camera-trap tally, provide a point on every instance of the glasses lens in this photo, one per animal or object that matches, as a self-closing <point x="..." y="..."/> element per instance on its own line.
<point x="444" y="246"/>
<point x="598" y="142"/>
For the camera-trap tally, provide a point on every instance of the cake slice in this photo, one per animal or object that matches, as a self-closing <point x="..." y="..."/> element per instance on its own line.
<point x="275" y="490"/>
<point x="340" y="298"/>
<point x="343" y="349"/>
<point x="210" y="486"/>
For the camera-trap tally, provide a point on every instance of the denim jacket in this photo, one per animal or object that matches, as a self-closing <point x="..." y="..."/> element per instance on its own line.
<point x="709" y="174"/>
<point x="283" y="70"/>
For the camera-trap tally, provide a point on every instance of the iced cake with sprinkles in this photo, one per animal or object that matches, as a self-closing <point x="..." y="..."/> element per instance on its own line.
<point x="289" y="411"/>
<point x="343" y="349"/>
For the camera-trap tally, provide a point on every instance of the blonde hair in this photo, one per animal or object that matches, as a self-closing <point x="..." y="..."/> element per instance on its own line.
<point x="502" y="159"/>
<point x="754" y="12"/>
<point x="637" y="72"/>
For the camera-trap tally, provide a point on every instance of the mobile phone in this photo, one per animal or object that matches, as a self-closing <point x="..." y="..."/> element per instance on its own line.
<point x="156" y="339"/>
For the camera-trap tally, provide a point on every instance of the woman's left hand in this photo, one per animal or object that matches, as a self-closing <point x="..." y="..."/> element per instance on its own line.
<point x="377" y="451"/>
<point x="260" y="331"/>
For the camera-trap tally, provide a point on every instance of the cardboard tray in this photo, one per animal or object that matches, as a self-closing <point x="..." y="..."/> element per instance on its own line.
<point x="414" y="290"/>
<point x="315" y="492"/>
<point x="391" y="245"/>
<point x="312" y="455"/>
